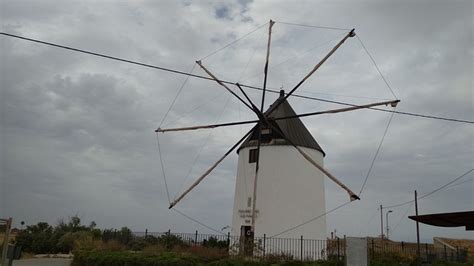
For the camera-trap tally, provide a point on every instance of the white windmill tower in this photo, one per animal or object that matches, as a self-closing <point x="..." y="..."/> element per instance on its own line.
<point x="289" y="189"/>
<point x="279" y="161"/>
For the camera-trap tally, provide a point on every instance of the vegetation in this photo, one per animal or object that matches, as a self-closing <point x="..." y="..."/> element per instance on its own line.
<point x="92" y="246"/>
<point x="43" y="238"/>
<point x="175" y="257"/>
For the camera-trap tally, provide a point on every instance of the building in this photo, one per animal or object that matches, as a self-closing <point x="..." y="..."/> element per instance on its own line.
<point x="289" y="191"/>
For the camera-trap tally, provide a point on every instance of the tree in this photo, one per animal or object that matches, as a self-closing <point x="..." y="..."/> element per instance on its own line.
<point x="37" y="238"/>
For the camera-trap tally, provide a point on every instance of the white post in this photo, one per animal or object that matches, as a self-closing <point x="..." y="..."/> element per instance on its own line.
<point x="5" y="241"/>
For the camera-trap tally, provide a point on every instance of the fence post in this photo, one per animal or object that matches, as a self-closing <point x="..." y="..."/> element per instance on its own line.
<point x="338" y="248"/>
<point x="373" y="248"/>
<point x="426" y="250"/>
<point x="264" y="244"/>
<point x="228" y="240"/>
<point x="301" y="248"/>
<point x="196" y="238"/>
<point x="344" y="248"/>
<point x="445" y="253"/>
<point x="146" y="232"/>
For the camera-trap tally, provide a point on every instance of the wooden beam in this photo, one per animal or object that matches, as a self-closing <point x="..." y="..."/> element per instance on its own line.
<point x="352" y="195"/>
<point x="254" y="108"/>
<point x="163" y="130"/>
<point x="392" y="103"/>
<point x="265" y="69"/>
<point x="172" y="204"/>
<point x="316" y="67"/>
<point x="222" y="84"/>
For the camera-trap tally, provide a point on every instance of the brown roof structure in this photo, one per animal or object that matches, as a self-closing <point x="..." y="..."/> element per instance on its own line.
<point x="451" y="219"/>
<point x="293" y="128"/>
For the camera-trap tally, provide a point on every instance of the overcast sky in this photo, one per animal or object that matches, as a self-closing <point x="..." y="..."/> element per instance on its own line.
<point x="77" y="131"/>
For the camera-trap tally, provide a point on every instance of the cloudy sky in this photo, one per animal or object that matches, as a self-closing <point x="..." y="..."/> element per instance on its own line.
<point x="77" y="131"/>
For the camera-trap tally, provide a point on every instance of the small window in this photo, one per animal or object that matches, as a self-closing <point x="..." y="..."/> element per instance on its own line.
<point x="253" y="154"/>
<point x="266" y="131"/>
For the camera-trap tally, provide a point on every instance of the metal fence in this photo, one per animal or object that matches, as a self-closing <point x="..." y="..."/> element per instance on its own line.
<point x="312" y="249"/>
<point x="427" y="252"/>
<point x="264" y="247"/>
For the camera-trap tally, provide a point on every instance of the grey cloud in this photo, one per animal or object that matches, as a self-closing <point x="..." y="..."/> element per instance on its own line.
<point x="77" y="131"/>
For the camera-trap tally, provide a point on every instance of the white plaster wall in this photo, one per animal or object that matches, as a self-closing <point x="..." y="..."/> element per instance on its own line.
<point x="290" y="191"/>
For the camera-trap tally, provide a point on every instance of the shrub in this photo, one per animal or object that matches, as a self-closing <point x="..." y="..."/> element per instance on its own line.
<point x="123" y="236"/>
<point x="140" y="243"/>
<point x="206" y="254"/>
<point x="112" y="245"/>
<point x="154" y="249"/>
<point x="170" y="241"/>
<point x="39" y="238"/>
<point x="215" y="243"/>
<point x="44" y="238"/>
<point x="99" y="258"/>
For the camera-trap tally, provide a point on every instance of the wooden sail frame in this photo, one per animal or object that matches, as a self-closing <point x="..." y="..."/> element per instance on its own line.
<point x="264" y="119"/>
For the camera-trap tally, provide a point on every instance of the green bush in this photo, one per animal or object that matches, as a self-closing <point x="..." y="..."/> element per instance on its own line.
<point x="44" y="238"/>
<point x="170" y="241"/>
<point x="213" y="242"/>
<point x="123" y="236"/>
<point x="39" y="238"/>
<point x="126" y="258"/>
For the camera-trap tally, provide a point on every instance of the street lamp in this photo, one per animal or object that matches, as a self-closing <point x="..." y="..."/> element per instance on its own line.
<point x="386" y="219"/>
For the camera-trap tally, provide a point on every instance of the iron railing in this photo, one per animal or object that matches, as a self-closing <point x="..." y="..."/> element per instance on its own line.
<point x="427" y="252"/>
<point x="263" y="247"/>
<point x="312" y="249"/>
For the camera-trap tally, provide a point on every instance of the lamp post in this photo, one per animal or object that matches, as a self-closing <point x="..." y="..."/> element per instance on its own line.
<point x="386" y="219"/>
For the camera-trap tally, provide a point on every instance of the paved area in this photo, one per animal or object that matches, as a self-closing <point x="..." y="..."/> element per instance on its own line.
<point x="42" y="262"/>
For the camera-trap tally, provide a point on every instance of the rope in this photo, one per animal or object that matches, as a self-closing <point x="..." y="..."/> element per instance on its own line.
<point x="205" y="103"/>
<point x="176" y="96"/>
<point x="293" y="57"/>
<point x="460" y="183"/>
<point x="226" y="81"/>
<point x="376" y="154"/>
<point x="247" y="65"/>
<point x="376" y="66"/>
<point x="158" y="138"/>
<point x="312" y="219"/>
<point x="163" y="168"/>
<point x="345" y="95"/>
<point x="430" y="193"/>
<point x="233" y="42"/>
<point x="311" y="26"/>
<point x="202" y="148"/>
<point x="198" y="222"/>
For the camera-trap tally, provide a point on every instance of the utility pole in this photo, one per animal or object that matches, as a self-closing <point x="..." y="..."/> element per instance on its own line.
<point x="417" y="227"/>
<point x="381" y="222"/>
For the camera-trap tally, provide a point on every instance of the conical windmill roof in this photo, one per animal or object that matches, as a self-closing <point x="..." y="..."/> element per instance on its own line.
<point x="293" y="128"/>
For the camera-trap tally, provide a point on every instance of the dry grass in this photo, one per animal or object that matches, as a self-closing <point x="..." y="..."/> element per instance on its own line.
<point x="154" y="249"/>
<point x="111" y="245"/>
<point x="2" y="237"/>
<point x="462" y="243"/>
<point x="203" y="252"/>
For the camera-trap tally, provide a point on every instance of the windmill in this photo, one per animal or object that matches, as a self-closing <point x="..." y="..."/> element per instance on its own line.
<point x="268" y="127"/>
